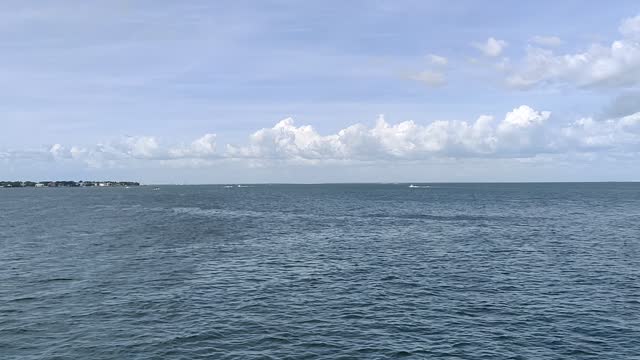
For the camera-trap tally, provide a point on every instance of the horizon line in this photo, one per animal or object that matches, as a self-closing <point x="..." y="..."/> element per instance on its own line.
<point x="336" y="182"/>
<point x="394" y="183"/>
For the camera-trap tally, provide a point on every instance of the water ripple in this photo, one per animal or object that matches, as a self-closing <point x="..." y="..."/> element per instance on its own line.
<point x="322" y="272"/>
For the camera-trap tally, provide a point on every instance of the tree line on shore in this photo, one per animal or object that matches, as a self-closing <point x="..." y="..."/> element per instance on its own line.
<point x="22" y="184"/>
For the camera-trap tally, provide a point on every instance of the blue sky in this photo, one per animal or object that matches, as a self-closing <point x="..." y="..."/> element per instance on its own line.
<point x="283" y="91"/>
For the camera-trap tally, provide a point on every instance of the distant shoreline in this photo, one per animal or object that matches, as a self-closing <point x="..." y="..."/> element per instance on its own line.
<point x="42" y="184"/>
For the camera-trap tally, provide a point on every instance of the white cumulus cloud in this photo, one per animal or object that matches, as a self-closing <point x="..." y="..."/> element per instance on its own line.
<point x="617" y="134"/>
<point x="136" y="148"/>
<point x="203" y="147"/>
<point x="404" y="140"/>
<point x="492" y="47"/>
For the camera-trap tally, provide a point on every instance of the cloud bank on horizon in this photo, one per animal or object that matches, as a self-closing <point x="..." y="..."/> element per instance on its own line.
<point x="522" y="133"/>
<point x="502" y="93"/>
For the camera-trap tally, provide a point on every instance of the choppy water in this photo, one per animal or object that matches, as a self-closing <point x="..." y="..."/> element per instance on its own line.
<point x="460" y="271"/>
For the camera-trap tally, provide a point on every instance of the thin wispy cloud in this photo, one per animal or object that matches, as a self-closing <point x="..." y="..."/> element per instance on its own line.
<point x="549" y="41"/>
<point x="429" y="78"/>
<point x="438" y="60"/>
<point x="599" y="66"/>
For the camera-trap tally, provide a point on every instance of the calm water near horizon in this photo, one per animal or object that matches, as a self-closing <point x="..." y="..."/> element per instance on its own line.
<point x="334" y="271"/>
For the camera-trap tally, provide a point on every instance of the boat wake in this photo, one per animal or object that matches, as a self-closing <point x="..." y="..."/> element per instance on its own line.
<point x="419" y="186"/>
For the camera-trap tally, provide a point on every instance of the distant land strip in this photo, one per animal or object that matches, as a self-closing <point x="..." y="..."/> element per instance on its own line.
<point x="23" y="184"/>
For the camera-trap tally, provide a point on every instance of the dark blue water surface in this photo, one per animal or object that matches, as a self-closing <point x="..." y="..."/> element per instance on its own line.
<point x="459" y="271"/>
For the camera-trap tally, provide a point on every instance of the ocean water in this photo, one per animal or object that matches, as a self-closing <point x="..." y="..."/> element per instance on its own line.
<point x="353" y="271"/>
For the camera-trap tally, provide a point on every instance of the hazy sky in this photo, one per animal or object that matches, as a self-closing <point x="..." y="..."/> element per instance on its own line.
<point x="291" y="91"/>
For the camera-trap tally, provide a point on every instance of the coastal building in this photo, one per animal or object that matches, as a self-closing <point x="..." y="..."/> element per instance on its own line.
<point x="24" y="184"/>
